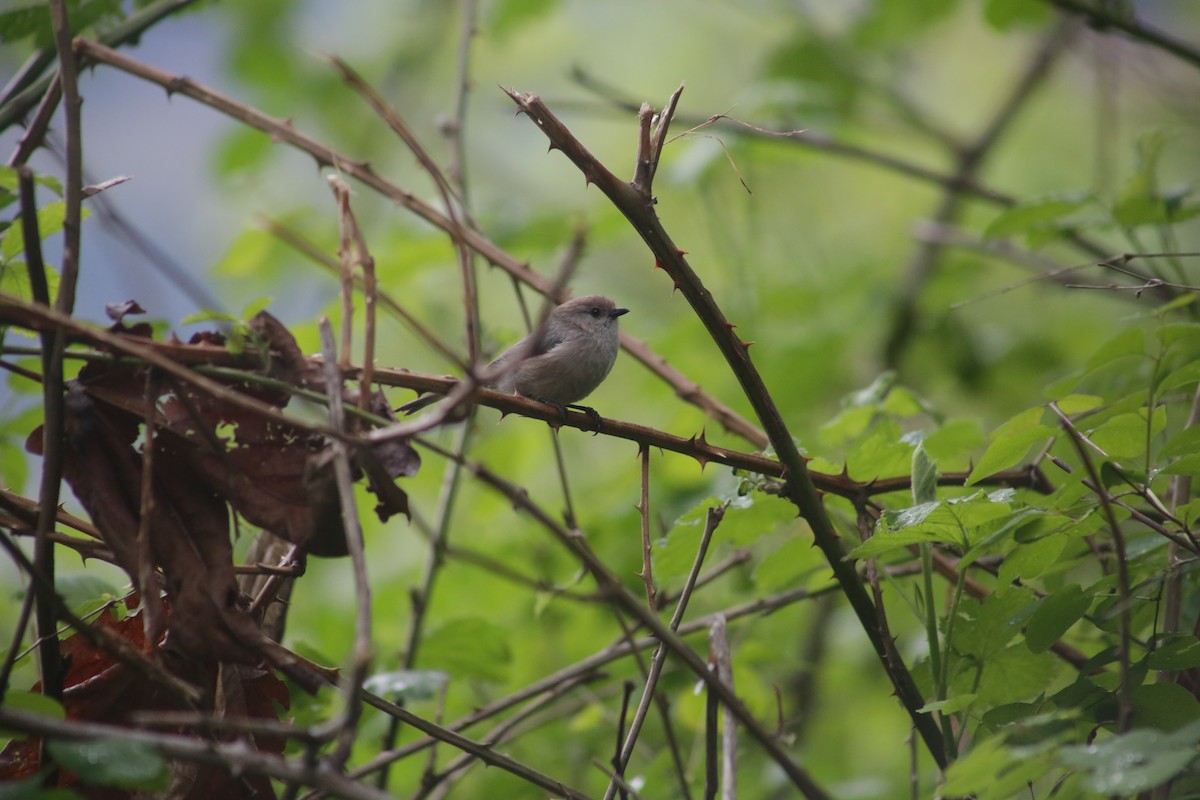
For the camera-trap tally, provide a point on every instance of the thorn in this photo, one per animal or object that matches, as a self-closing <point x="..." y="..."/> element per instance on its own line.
<point x="658" y="265"/>
<point x="551" y="148"/>
<point x="681" y="252"/>
<point x="676" y="288"/>
<point x="745" y="344"/>
<point x="701" y="440"/>
<point x="729" y="325"/>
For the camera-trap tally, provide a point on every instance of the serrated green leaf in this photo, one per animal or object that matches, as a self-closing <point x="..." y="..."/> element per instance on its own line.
<point x="113" y="762"/>
<point x="1016" y="673"/>
<point x="1033" y="558"/>
<point x="1054" y="615"/>
<point x="985" y="627"/>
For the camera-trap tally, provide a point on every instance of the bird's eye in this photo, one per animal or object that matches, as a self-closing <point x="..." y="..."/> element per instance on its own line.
<point x="595" y="311"/>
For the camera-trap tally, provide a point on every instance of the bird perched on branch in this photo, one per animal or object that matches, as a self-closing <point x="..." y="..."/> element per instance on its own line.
<point x="562" y="361"/>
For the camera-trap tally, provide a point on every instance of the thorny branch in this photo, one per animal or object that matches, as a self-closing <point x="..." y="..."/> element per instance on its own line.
<point x="798" y="486"/>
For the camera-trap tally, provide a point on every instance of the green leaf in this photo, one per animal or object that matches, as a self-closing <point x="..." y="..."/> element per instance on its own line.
<point x="1074" y="404"/>
<point x="1032" y="558"/>
<point x="983" y="628"/>
<point x="407" y="684"/>
<point x="1054" y="615"/>
<point x="1124" y="436"/>
<point x="84" y="591"/>
<point x="950" y="706"/>
<point x="992" y="771"/>
<point x="1010" y="442"/>
<point x="470" y="647"/>
<point x="1185" y="442"/>
<point x="950" y="521"/>
<point x="50" y="221"/>
<point x="955" y="438"/>
<point x="30" y="703"/>
<point x="1015" y="673"/>
<point x="924" y="477"/>
<point x="1129" y="342"/>
<point x="113" y="762"/>
<point x="1133" y="762"/>
<point x="1164" y="705"/>
<point x="506" y="16"/>
<point x="1036" y="215"/>
<point x="893" y="22"/>
<point x="1180" y="651"/>
<point x="1006" y="14"/>
<point x="1187" y="375"/>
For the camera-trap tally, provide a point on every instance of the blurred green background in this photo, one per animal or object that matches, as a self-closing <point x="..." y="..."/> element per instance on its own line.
<point x="809" y="252"/>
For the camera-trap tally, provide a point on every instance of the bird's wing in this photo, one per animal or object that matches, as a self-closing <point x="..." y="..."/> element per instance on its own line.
<point x="545" y="343"/>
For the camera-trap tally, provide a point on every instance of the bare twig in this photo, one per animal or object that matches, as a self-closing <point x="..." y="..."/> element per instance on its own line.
<point x="722" y="660"/>
<point x="1125" y="689"/>
<point x="360" y="660"/>
<point x="643" y="508"/>
<point x="711" y="521"/>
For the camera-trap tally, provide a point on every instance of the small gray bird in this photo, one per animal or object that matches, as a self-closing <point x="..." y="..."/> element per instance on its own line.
<point x="562" y="361"/>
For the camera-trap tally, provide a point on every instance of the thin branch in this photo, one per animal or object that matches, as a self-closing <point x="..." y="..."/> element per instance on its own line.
<point x="236" y="756"/>
<point x="1125" y="689"/>
<point x="799" y="487"/>
<point x="360" y="661"/>
<point x="591" y="664"/>
<point x="643" y="508"/>
<point x="1100" y="19"/>
<point x="711" y="521"/>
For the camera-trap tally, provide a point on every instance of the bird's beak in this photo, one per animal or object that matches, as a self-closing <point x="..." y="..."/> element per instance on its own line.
<point x="616" y="312"/>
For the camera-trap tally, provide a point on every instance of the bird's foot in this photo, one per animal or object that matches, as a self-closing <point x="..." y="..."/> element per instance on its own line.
<point x="593" y="415"/>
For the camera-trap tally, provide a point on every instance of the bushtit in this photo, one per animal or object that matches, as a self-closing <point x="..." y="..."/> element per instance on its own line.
<point x="562" y="361"/>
